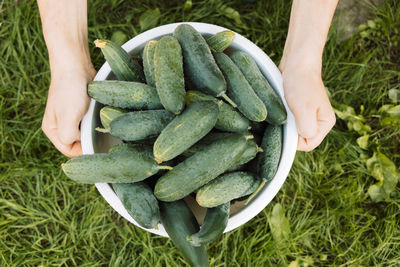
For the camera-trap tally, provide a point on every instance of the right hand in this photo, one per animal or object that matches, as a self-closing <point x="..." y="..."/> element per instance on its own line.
<point x="67" y="103"/>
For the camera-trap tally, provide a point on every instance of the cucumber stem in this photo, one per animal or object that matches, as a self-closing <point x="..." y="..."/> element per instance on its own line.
<point x="224" y="96"/>
<point x="156" y="226"/>
<point x="248" y="128"/>
<point x="100" y="43"/>
<point x="255" y="192"/>
<point x="164" y="167"/>
<point x="259" y="149"/>
<point x="102" y="130"/>
<point x="248" y="137"/>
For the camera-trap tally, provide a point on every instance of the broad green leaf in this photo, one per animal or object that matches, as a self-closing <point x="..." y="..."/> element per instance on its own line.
<point x="362" y="141"/>
<point x="188" y="5"/>
<point x="294" y="264"/>
<point x="354" y="121"/>
<point x="149" y="19"/>
<point x="376" y="193"/>
<point x="392" y="110"/>
<point x="231" y="13"/>
<point x="119" y="38"/>
<point x="279" y="224"/>
<point x="384" y="171"/>
<point x="394" y="95"/>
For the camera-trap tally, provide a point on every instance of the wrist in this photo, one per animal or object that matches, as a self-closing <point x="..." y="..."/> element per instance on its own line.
<point x="301" y="60"/>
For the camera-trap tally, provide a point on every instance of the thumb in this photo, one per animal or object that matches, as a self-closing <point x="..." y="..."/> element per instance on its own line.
<point x="306" y="120"/>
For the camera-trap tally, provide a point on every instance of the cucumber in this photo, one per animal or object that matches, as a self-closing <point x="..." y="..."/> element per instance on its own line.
<point x="213" y="226"/>
<point x="206" y="140"/>
<point x="228" y="119"/>
<point x="179" y="222"/>
<point x="226" y="188"/>
<point x="185" y="130"/>
<point x="198" y="62"/>
<point x="276" y="110"/>
<point x="200" y="168"/>
<point x="139" y="202"/>
<point x="117" y="167"/>
<point x="268" y="161"/>
<point x="168" y="67"/>
<point x="121" y="63"/>
<point x="139" y="125"/>
<point x="107" y="115"/>
<point x="148" y="62"/>
<point x="122" y="94"/>
<point x="144" y="149"/>
<point x="240" y="91"/>
<point x="249" y="153"/>
<point x="221" y="41"/>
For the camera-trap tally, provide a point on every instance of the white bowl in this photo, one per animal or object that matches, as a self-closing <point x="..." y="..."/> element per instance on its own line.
<point x="95" y="142"/>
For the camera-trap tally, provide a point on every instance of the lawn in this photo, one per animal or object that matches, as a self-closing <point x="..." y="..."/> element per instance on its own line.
<point x="341" y="201"/>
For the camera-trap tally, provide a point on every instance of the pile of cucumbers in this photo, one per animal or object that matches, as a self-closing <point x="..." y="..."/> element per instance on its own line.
<point x="194" y="121"/>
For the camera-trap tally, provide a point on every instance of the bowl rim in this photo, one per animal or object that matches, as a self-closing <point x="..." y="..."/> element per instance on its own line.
<point x="270" y="71"/>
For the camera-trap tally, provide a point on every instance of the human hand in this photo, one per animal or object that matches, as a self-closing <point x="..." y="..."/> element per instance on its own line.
<point x="67" y="103"/>
<point x="307" y="98"/>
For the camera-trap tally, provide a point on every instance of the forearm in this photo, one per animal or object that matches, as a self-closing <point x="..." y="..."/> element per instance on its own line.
<point x="64" y="24"/>
<point x="308" y="28"/>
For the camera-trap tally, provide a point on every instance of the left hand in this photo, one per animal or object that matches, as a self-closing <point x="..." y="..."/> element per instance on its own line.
<point x="306" y="96"/>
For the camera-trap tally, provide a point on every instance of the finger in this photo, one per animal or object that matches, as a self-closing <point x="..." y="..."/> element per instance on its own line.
<point x="68" y="129"/>
<point x="306" y="120"/>
<point x="71" y="150"/>
<point x="326" y="120"/>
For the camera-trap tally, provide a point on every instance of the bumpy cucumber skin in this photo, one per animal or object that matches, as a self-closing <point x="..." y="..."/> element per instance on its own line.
<point x="118" y="167"/>
<point x="148" y="62"/>
<point x="226" y="188"/>
<point x="144" y="149"/>
<point x="139" y="125"/>
<point x="125" y="94"/>
<point x="228" y="119"/>
<point x="276" y="110"/>
<point x="240" y="91"/>
<point x="139" y="202"/>
<point x="204" y="166"/>
<point x="121" y="63"/>
<point x="108" y="114"/>
<point x="213" y="226"/>
<point x="206" y="140"/>
<point x="249" y="153"/>
<point x="170" y="83"/>
<point x="185" y="130"/>
<point x="199" y="64"/>
<point x="179" y="222"/>
<point x="268" y="161"/>
<point x="221" y="41"/>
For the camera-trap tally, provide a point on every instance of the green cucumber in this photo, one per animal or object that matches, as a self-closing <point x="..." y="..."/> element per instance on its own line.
<point x="221" y="41"/>
<point x="240" y="91"/>
<point x="213" y="226"/>
<point x="185" y="130"/>
<point x="139" y="202"/>
<point x="250" y="153"/>
<point x="179" y="222"/>
<point x="139" y="125"/>
<point x="117" y="167"/>
<point x="148" y="62"/>
<point x="122" y="94"/>
<point x="121" y="63"/>
<point x="144" y="149"/>
<point x="200" y="168"/>
<point x="228" y="119"/>
<point x="168" y="67"/>
<point x="107" y="115"/>
<point x="226" y="188"/>
<point x="268" y="161"/>
<point x="199" y="64"/>
<point x="276" y="109"/>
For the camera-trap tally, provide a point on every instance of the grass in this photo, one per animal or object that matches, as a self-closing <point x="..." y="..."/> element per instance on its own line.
<point x="48" y="220"/>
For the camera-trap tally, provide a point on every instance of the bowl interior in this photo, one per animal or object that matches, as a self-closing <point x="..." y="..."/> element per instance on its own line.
<point x="96" y="142"/>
